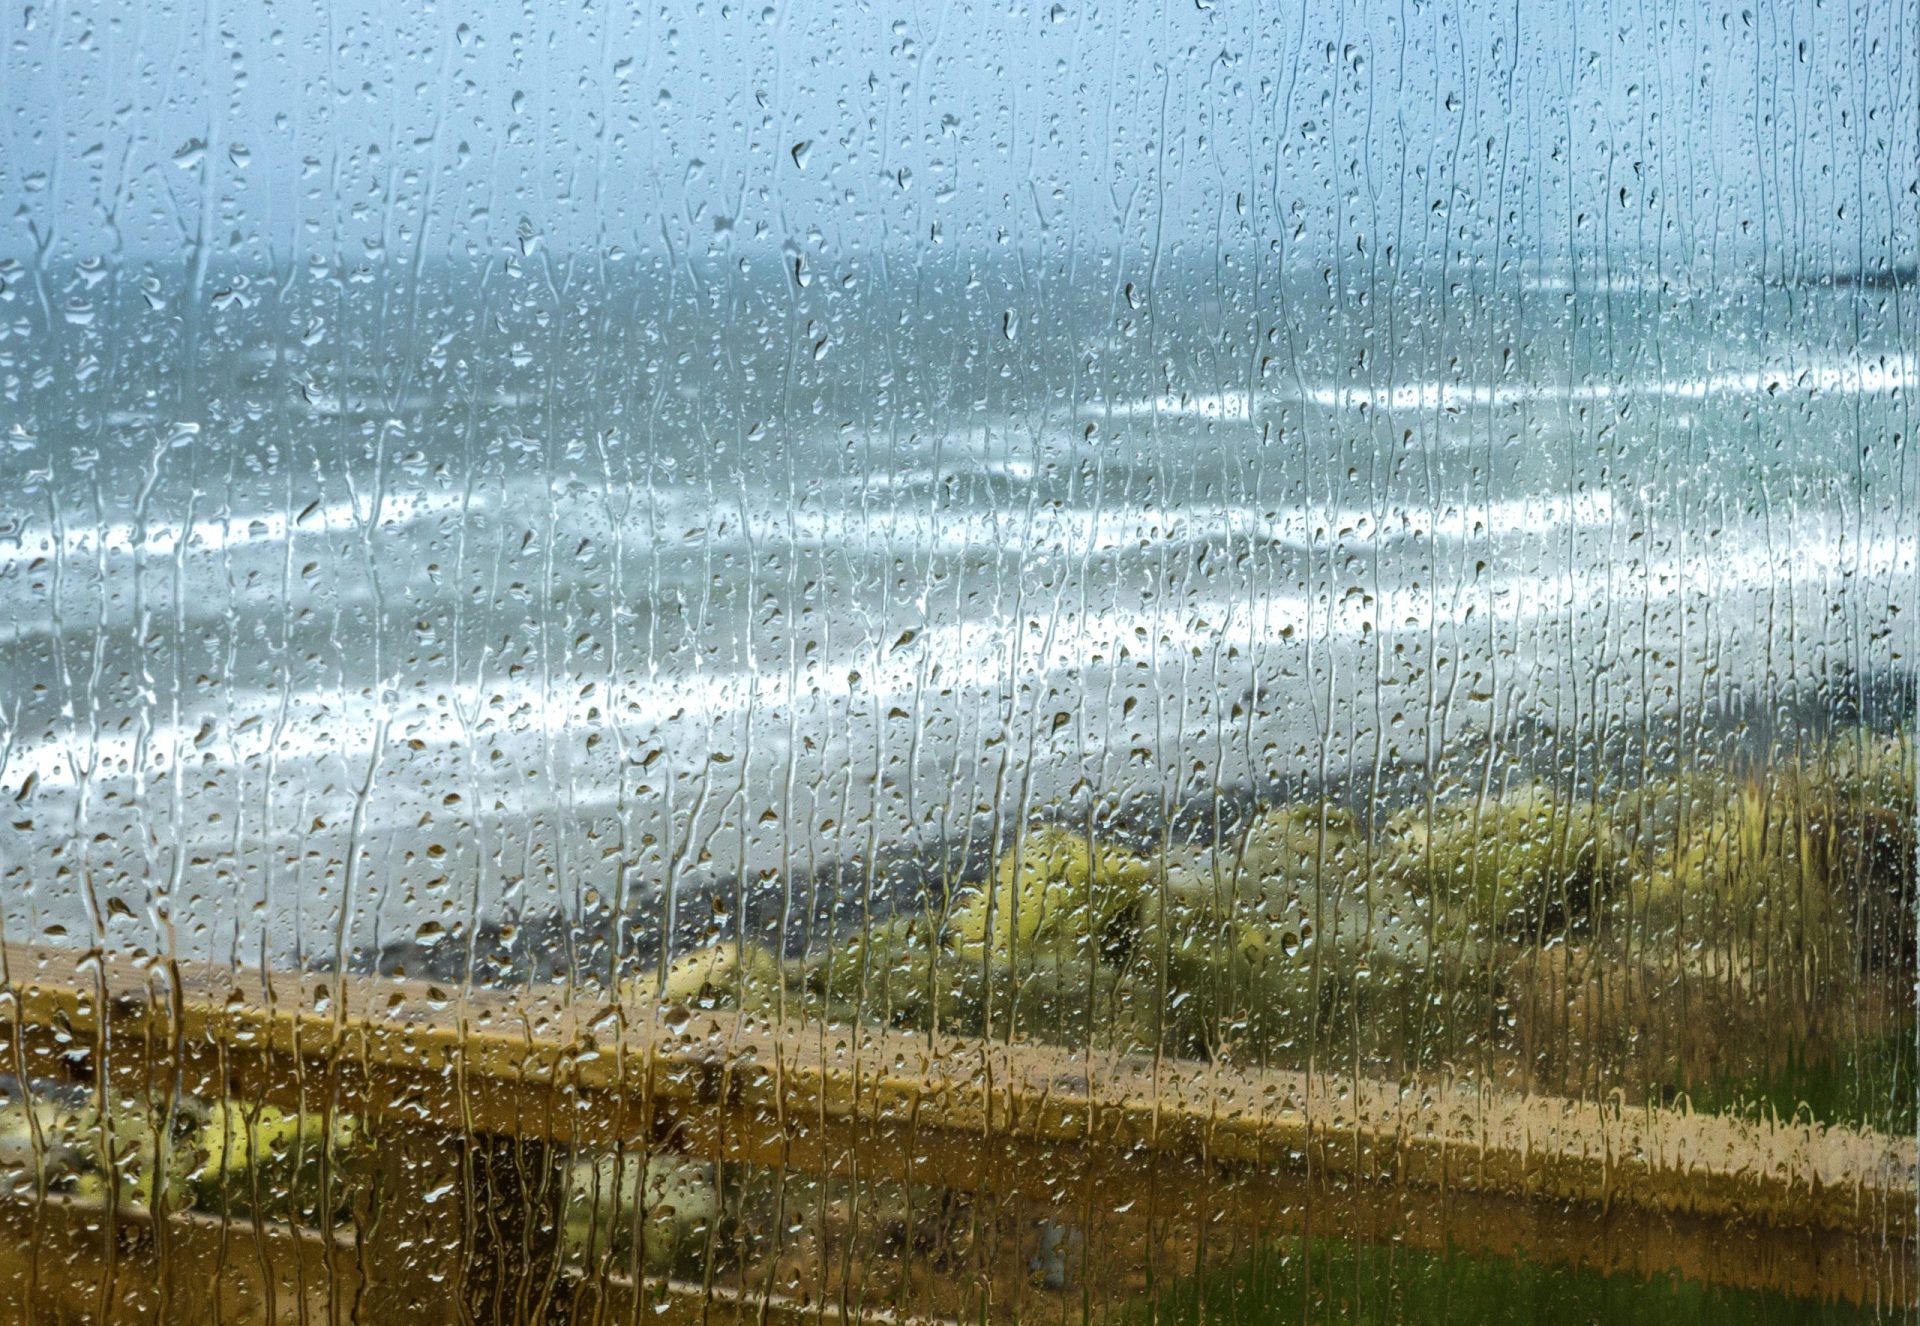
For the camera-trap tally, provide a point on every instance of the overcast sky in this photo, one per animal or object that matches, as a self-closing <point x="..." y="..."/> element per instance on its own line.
<point x="398" y="133"/>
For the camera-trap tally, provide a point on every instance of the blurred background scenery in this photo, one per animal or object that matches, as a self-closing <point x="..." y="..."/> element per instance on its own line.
<point x="1366" y="540"/>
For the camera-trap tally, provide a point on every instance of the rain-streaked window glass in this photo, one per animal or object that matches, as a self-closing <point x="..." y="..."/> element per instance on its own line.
<point x="1059" y="662"/>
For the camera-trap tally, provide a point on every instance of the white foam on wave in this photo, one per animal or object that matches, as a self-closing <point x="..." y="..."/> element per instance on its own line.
<point x="957" y="665"/>
<point x="1219" y="405"/>
<point x="1047" y="528"/>
<point x="1851" y="377"/>
<point x="220" y="534"/>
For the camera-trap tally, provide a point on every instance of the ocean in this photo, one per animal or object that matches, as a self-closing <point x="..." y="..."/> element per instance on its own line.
<point x="581" y="611"/>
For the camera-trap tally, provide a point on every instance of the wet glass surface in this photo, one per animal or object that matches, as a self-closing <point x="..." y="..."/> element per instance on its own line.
<point x="1333" y="568"/>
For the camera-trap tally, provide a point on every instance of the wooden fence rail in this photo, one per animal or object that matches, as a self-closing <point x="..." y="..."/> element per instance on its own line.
<point x="1140" y="1162"/>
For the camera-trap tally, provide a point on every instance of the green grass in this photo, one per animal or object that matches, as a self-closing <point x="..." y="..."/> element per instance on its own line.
<point x="1870" y="1086"/>
<point x="1320" y="1281"/>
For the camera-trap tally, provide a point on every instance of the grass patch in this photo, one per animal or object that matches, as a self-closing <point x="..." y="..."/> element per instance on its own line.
<point x="1871" y="1085"/>
<point x="1320" y="1280"/>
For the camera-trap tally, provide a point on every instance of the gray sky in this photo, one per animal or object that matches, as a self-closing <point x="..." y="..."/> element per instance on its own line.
<point x="400" y="133"/>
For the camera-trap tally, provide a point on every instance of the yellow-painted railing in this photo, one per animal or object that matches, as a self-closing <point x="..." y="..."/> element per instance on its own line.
<point x="1134" y="1166"/>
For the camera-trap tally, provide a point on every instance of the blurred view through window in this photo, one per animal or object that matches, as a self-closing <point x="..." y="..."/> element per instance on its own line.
<point x="1056" y="662"/>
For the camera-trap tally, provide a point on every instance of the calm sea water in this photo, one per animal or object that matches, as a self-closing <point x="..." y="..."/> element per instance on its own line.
<point x="340" y="610"/>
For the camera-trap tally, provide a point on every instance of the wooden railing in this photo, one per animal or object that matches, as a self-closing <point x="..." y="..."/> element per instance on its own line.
<point x="1130" y="1170"/>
